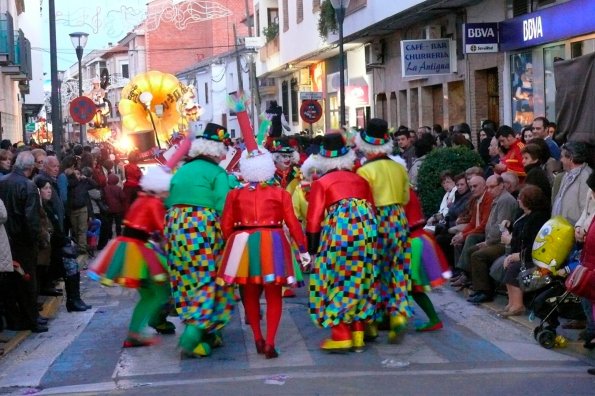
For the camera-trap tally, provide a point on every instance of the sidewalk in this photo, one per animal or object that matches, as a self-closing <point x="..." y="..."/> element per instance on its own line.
<point x="574" y="344"/>
<point x="9" y="340"/>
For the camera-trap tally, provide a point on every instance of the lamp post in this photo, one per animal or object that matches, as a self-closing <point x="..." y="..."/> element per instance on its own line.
<point x="340" y="6"/>
<point x="79" y="40"/>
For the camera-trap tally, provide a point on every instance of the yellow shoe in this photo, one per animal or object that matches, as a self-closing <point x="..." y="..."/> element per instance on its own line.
<point x="331" y="345"/>
<point x="357" y="338"/>
<point x="398" y="324"/>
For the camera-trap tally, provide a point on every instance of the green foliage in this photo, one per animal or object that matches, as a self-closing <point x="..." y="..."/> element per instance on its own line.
<point x="271" y="31"/>
<point x="327" y="22"/>
<point x="456" y="160"/>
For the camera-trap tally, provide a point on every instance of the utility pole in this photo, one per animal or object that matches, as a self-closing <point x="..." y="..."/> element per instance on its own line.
<point x="55" y="100"/>
<point x="255" y="93"/>
<point x="238" y="62"/>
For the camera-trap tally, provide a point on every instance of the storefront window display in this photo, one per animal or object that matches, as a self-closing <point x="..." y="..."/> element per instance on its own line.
<point x="551" y="55"/>
<point x="522" y="88"/>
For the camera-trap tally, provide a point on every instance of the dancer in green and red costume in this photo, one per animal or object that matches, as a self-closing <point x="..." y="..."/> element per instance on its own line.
<point x="429" y="267"/>
<point x="132" y="261"/>
<point x="390" y="187"/>
<point x="194" y="242"/>
<point x="258" y="254"/>
<point x="342" y="232"/>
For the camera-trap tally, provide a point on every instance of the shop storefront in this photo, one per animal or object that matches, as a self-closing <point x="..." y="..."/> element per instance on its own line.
<point x="533" y="42"/>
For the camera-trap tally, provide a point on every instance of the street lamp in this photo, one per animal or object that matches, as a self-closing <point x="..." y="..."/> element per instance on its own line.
<point x="79" y="40"/>
<point x="340" y="6"/>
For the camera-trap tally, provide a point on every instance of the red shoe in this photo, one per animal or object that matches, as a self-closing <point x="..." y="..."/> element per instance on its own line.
<point x="288" y="293"/>
<point x="136" y="342"/>
<point x="429" y="327"/>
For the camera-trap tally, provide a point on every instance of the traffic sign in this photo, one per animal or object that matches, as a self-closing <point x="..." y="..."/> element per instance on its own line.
<point x="310" y="111"/>
<point x="310" y="95"/>
<point x="82" y="109"/>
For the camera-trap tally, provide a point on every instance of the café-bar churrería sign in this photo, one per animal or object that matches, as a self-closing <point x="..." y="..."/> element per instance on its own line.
<point x="426" y="57"/>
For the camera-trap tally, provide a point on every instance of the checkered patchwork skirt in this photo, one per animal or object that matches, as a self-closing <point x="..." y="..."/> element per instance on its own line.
<point x="194" y="247"/>
<point x="342" y="279"/>
<point x="393" y="263"/>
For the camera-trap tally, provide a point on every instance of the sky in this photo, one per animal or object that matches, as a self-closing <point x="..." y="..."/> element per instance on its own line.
<point x="105" y="20"/>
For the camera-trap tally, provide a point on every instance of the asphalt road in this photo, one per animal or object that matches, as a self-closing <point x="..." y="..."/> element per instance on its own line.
<point x="476" y="353"/>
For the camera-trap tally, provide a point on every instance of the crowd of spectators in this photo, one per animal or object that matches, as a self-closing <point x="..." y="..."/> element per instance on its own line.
<point x="47" y="203"/>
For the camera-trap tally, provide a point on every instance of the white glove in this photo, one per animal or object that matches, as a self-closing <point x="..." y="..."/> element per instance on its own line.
<point x="305" y="259"/>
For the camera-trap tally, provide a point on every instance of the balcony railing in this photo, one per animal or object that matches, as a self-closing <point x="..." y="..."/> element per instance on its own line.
<point x="20" y="69"/>
<point x="6" y="39"/>
<point x="270" y="49"/>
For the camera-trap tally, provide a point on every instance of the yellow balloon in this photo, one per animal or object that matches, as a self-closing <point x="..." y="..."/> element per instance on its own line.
<point x="553" y="243"/>
<point x="165" y="90"/>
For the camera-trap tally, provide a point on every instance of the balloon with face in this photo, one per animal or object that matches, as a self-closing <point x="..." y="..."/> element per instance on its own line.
<point x="553" y="243"/>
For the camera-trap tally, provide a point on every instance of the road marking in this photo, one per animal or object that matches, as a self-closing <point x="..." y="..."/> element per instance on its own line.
<point x="136" y="384"/>
<point x="29" y="362"/>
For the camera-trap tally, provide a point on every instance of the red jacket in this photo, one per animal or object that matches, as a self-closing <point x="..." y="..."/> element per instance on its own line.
<point x="485" y="207"/>
<point x="114" y="196"/>
<point x="261" y="205"/>
<point x="331" y="188"/>
<point x="147" y="214"/>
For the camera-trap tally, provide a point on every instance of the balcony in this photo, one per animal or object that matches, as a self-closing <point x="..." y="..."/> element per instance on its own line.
<point x="20" y="69"/>
<point x="271" y="48"/>
<point x="6" y="39"/>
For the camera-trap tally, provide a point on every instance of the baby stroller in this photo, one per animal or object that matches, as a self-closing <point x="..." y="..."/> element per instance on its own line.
<point x="553" y="302"/>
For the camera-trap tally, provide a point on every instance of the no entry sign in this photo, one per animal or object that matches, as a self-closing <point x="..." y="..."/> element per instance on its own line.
<point x="82" y="109"/>
<point x="310" y="111"/>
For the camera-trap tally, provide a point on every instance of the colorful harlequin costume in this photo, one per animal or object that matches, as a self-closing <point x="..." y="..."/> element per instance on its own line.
<point x="429" y="267"/>
<point x="341" y="230"/>
<point x="257" y="253"/>
<point x="389" y="183"/>
<point x="134" y="260"/>
<point x="194" y="243"/>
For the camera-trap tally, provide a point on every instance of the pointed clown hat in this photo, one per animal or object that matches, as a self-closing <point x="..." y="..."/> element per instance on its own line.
<point x="256" y="163"/>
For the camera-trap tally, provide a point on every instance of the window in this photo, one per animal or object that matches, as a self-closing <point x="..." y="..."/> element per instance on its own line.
<point x="272" y="15"/>
<point x="300" y="11"/>
<point x="124" y="68"/>
<point x="285" y="15"/>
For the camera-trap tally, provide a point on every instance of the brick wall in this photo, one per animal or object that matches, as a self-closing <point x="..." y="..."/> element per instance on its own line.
<point x="172" y="50"/>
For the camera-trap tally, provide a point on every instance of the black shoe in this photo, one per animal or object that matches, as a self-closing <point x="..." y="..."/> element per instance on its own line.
<point x="39" y="328"/>
<point x="480" y="298"/>
<point x="76" y="305"/>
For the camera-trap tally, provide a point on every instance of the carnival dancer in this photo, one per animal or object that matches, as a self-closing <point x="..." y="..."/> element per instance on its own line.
<point x="287" y="174"/>
<point x="257" y="252"/>
<point x="194" y="242"/>
<point x="390" y="187"/>
<point x="134" y="260"/>
<point x="341" y="230"/>
<point x="429" y="267"/>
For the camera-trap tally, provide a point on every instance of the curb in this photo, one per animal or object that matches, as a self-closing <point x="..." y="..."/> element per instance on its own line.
<point x="51" y="305"/>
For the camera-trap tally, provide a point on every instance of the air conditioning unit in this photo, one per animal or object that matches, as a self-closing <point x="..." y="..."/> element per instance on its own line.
<point x="375" y="54"/>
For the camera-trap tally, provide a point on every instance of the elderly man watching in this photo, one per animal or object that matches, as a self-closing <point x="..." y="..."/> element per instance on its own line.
<point x="504" y="207"/>
<point x="23" y="204"/>
<point x="570" y="190"/>
<point x="474" y="232"/>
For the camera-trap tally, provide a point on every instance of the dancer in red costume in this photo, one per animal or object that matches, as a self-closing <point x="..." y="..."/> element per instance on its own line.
<point x="257" y="253"/>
